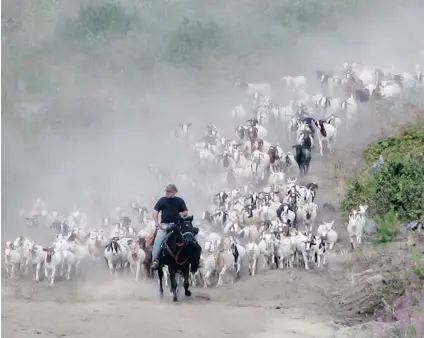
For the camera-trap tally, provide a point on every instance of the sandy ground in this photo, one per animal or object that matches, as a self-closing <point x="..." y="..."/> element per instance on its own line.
<point x="283" y="303"/>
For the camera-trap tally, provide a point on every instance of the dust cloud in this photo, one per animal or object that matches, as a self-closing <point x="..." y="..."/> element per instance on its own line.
<point x="90" y="95"/>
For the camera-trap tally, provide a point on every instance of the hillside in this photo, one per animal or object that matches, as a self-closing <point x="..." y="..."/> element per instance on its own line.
<point x="399" y="183"/>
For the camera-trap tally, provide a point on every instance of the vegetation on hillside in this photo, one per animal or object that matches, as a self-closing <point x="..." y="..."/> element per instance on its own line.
<point x="200" y="40"/>
<point x="399" y="184"/>
<point x="386" y="280"/>
<point x="55" y="51"/>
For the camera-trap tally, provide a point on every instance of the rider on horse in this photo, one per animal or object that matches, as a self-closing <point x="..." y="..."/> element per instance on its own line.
<point x="172" y="208"/>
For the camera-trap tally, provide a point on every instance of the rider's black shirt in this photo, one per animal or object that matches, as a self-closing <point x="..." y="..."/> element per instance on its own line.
<point x="170" y="208"/>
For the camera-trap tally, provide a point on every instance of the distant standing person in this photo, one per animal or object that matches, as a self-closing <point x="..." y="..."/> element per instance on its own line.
<point x="170" y="207"/>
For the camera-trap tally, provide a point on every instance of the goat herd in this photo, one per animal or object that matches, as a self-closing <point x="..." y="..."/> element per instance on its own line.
<point x="262" y="218"/>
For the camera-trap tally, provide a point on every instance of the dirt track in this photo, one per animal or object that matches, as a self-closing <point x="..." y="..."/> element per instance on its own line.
<point x="283" y="303"/>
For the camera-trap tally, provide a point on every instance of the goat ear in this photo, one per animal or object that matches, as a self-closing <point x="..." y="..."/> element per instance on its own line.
<point x="44" y="249"/>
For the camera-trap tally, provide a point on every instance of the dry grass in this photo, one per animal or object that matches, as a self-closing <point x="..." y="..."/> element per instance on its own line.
<point x="376" y="278"/>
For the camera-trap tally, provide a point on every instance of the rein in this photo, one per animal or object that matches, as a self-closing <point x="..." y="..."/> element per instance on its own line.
<point x="175" y="257"/>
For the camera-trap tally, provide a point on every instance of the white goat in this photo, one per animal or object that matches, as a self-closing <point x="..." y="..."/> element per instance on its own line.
<point x="53" y="262"/>
<point x="116" y="256"/>
<point x="12" y="260"/>
<point x="93" y="245"/>
<point x="69" y="263"/>
<point x="325" y="231"/>
<point x="302" y="246"/>
<point x="136" y="259"/>
<point x="356" y="225"/>
<point x="208" y="266"/>
<point x="285" y="252"/>
<point x="253" y="253"/>
<point x="239" y="253"/>
<point x="36" y="257"/>
<point x="22" y="244"/>
<point x="266" y="245"/>
<point x="225" y="265"/>
<point x="308" y="213"/>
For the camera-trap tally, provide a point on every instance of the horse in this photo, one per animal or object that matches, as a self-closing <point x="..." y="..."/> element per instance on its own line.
<point x="180" y="251"/>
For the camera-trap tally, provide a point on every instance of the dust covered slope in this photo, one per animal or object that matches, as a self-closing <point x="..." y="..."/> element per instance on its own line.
<point x="91" y="90"/>
<point x="94" y="85"/>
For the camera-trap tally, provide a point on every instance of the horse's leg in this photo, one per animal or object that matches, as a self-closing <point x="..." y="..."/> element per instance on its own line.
<point x="187" y="292"/>
<point x="172" y="275"/>
<point x="160" y="276"/>
<point x="166" y="275"/>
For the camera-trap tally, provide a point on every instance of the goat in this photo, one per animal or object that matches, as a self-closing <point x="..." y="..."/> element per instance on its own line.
<point x="12" y="260"/>
<point x="53" y="261"/>
<point x="325" y="231"/>
<point x="326" y="132"/>
<point x="285" y="252"/>
<point x="36" y="257"/>
<point x="137" y="258"/>
<point x="355" y="227"/>
<point x="115" y="255"/>
<point x="318" y="248"/>
<point x="302" y="246"/>
<point x="303" y="156"/>
<point x="253" y="253"/>
<point x="225" y="264"/>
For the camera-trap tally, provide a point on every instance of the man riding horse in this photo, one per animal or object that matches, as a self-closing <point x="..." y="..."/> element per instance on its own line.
<point x="175" y="244"/>
<point x="172" y="209"/>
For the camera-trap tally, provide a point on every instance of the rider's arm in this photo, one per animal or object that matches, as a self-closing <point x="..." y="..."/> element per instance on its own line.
<point x="156" y="210"/>
<point x="183" y="209"/>
<point x="156" y="217"/>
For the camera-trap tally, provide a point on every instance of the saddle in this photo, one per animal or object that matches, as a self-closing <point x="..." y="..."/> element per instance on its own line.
<point x="150" y="240"/>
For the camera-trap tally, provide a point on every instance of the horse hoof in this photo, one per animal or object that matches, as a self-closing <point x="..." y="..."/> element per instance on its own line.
<point x="174" y="299"/>
<point x="161" y="295"/>
<point x="188" y="293"/>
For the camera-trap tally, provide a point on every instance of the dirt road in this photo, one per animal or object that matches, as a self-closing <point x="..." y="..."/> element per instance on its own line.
<point x="277" y="303"/>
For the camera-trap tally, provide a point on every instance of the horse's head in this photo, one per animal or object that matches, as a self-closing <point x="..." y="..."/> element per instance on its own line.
<point x="180" y="242"/>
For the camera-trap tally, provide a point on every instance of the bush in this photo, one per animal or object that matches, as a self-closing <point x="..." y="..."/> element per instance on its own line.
<point x="418" y="264"/>
<point x="399" y="184"/>
<point x="98" y="20"/>
<point x="386" y="228"/>
<point x="308" y="15"/>
<point x="206" y="40"/>
<point x="192" y="41"/>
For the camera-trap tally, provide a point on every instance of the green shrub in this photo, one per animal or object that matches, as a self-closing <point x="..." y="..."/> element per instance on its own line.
<point x="399" y="184"/>
<point x="98" y="20"/>
<point x="309" y="15"/>
<point x="417" y="265"/>
<point x="410" y="141"/>
<point x="386" y="228"/>
<point x="194" y="40"/>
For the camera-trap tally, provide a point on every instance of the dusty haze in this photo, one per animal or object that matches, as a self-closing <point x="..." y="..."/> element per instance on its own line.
<point x="85" y="107"/>
<point x="92" y="112"/>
